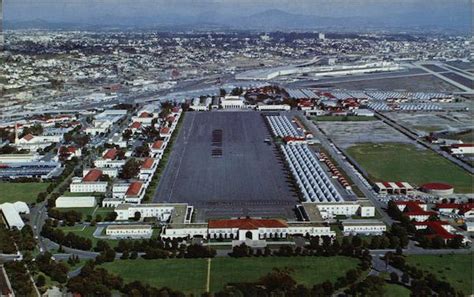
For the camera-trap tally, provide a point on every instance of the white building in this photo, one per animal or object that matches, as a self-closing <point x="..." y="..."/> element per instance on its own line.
<point x="462" y="149"/>
<point x="129" y="231"/>
<point x="11" y="214"/>
<point x="232" y="102"/>
<point x="161" y="211"/>
<point x="18" y="158"/>
<point x="73" y="202"/>
<point x="89" y="183"/>
<point x="346" y="208"/>
<point x="363" y="227"/>
<point x="246" y="229"/>
<point x="110" y="159"/>
<point x="277" y="107"/>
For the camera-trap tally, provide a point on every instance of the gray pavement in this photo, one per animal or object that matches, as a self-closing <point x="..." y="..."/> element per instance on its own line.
<point x="249" y="178"/>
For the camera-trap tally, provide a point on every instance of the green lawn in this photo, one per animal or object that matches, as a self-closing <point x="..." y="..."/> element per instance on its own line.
<point x="456" y="269"/>
<point x="27" y="192"/>
<point x="404" y="162"/>
<point x="89" y="211"/>
<point x="189" y="275"/>
<point x="392" y="290"/>
<point x="344" y="118"/>
<point x="86" y="232"/>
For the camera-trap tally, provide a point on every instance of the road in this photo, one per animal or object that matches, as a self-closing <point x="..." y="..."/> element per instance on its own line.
<point x="346" y="167"/>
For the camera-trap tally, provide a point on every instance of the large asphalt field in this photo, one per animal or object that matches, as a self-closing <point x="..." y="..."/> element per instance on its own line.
<point x="247" y="180"/>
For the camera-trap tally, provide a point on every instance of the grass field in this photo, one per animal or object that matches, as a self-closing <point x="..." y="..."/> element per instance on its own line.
<point x="190" y="275"/>
<point x="86" y="232"/>
<point x="26" y="192"/>
<point x="93" y="211"/>
<point x="344" y="119"/>
<point x="392" y="290"/>
<point x="456" y="269"/>
<point x="403" y="162"/>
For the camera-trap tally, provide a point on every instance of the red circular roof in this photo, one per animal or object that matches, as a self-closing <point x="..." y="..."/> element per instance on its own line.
<point x="437" y="186"/>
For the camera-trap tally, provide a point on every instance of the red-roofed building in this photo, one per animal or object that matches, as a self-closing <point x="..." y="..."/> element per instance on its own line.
<point x="110" y="154"/>
<point x="92" y="176"/>
<point x="135" y="192"/>
<point x="294" y="140"/>
<point x="135" y="127"/>
<point x="89" y="183"/>
<point x="28" y="137"/>
<point x="438" y="228"/>
<point x="68" y="152"/>
<point x="157" y="148"/>
<point x="247" y="228"/>
<point x="465" y="209"/>
<point x="462" y="149"/>
<point x="147" y="169"/>
<point x="145" y="115"/>
<point x="165" y="132"/>
<point x="415" y="210"/>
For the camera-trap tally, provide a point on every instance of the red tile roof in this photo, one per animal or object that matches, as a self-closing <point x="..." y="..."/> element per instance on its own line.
<point x="165" y="130"/>
<point x="158" y="144"/>
<point x="436" y="186"/>
<point x="110" y="154"/>
<point x="247" y="224"/>
<point x="145" y="115"/>
<point x="92" y="176"/>
<point x="148" y="163"/>
<point x="134" y="189"/>
<point x="437" y="228"/>
<point x="136" y="125"/>
<point x="28" y="137"/>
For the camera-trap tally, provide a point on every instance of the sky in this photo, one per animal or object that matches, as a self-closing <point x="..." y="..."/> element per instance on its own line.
<point x="93" y="11"/>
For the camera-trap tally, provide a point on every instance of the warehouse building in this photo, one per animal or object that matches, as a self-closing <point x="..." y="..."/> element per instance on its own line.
<point x="129" y="231"/>
<point x="11" y="214"/>
<point x="73" y="202"/>
<point x="363" y="227"/>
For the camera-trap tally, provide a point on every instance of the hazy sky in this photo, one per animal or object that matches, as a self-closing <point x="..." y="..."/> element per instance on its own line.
<point x="86" y="10"/>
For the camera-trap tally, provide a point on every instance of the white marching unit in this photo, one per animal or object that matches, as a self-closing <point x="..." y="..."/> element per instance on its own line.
<point x="313" y="181"/>
<point x="282" y="127"/>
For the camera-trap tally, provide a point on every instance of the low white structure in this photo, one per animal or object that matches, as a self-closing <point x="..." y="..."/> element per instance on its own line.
<point x="19" y="158"/>
<point x="232" y="102"/>
<point x="247" y="229"/>
<point x="70" y="202"/>
<point x="469" y="226"/>
<point x="89" y="183"/>
<point x="11" y="214"/>
<point x="129" y="231"/>
<point x="278" y="107"/>
<point x="161" y="211"/>
<point x="364" y="227"/>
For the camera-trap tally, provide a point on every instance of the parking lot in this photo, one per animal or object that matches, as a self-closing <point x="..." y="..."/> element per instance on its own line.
<point x="221" y="165"/>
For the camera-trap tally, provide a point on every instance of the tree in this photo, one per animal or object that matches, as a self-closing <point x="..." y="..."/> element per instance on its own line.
<point x="405" y="278"/>
<point x="137" y="216"/>
<point x="127" y="134"/>
<point x="394" y="277"/>
<point x="278" y="279"/>
<point x="40" y="281"/>
<point x="130" y="169"/>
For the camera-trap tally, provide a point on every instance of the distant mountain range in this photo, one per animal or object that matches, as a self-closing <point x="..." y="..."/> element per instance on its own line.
<point x="269" y="20"/>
